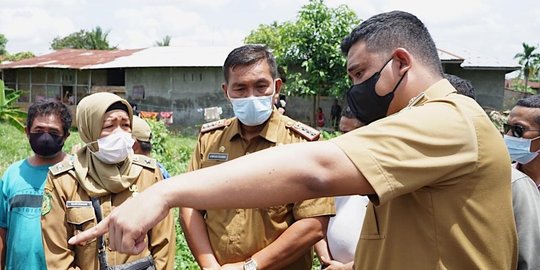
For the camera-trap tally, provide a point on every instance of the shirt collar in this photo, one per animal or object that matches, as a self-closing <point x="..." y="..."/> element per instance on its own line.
<point x="439" y="89"/>
<point x="269" y="131"/>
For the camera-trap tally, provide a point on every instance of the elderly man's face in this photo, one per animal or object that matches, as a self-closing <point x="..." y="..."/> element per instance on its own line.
<point x="253" y="80"/>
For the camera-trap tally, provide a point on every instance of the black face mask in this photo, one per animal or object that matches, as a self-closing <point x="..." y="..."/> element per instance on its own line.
<point x="46" y="144"/>
<point x="364" y="101"/>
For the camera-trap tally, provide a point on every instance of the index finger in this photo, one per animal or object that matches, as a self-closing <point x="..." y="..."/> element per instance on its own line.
<point x="100" y="229"/>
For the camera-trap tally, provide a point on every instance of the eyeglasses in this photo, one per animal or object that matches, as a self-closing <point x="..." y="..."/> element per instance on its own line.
<point x="517" y="130"/>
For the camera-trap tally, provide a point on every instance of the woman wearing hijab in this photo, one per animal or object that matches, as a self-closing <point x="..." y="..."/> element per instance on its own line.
<point x="100" y="176"/>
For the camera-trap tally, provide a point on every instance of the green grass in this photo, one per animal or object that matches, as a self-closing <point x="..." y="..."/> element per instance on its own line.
<point x="13" y="146"/>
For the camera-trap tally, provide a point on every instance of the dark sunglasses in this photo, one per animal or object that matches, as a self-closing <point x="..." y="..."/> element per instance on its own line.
<point x="517" y="130"/>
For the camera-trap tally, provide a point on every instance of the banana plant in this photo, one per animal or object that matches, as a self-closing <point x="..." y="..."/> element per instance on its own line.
<point x="9" y="113"/>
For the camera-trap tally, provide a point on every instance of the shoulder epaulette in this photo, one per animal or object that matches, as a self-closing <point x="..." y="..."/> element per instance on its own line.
<point x="62" y="166"/>
<point x="215" y="125"/>
<point x="145" y="161"/>
<point x="304" y="130"/>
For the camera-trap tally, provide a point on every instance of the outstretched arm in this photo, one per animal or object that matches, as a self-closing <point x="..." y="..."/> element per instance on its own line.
<point x="304" y="171"/>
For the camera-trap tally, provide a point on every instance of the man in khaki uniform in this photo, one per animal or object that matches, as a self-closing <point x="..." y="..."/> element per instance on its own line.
<point x="278" y="236"/>
<point x="435" y="168"/>
<point x="142" y="133"/>
<point x="92" y="173"/>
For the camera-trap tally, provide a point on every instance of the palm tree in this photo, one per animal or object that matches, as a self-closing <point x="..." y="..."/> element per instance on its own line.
<point x="535" y="68"/>
<point x="97" y="39"/>
<point x="526" y="58"/>
<point x="165" y="42"/>
<point x="8" y="112"/>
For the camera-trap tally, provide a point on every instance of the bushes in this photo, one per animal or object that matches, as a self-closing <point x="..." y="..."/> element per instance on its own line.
<point x="174" y="153"/>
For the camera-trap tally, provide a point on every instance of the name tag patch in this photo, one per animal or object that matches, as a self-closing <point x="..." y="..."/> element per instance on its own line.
<point x="218" y="156"/>
<point x="78" y="204"/>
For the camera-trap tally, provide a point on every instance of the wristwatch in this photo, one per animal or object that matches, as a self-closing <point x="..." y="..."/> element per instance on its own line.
<point x="250" y="264"/>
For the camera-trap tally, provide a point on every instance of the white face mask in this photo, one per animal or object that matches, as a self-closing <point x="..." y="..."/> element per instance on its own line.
<point x="115" y="148"/>
<point x="253" y="111"/>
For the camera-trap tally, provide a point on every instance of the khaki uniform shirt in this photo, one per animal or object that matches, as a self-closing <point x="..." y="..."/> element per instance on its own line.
<point x="441" y="175"/>
<point x="237" y="234"/>
<point x="67" y="210"/>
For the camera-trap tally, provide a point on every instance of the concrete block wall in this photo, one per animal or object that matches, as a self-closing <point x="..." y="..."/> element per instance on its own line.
<point x="184" y="91"/>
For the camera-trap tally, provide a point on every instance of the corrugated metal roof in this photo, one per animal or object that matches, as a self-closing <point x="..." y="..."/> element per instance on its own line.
<point x="196" y="57"/>
<point x="70" y="59"/>
<point x="171" y="57"/>
<point x="470" y="60"/>
<point x="446" y="56"/>
<point x="475" y="61"/>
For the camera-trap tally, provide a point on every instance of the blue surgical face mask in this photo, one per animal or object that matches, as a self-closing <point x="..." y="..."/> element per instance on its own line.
<point x="253" y="111"/>
<point x="520" y="149"/>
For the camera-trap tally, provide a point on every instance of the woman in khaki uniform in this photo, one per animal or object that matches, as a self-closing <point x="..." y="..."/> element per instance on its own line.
<point x="104" y="169"/>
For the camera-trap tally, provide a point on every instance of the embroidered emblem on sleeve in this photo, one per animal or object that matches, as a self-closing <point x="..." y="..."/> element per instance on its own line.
<point x="46" y="203"/>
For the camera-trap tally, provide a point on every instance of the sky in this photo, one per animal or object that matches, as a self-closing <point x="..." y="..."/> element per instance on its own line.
<point x="493" y="28"/>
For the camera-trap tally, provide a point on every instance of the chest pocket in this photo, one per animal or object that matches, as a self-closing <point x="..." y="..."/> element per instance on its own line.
<point x="371" y="227"/>
<point x="279" y="213"/>
<point x="81" y="219"/>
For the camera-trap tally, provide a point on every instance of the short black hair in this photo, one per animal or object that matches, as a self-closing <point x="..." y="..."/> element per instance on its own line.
<point x="463" y="86"/>
<point x="146" y="147"/>
<point x="248" y="55"/>
<point x="531" y="102"/>
<point x="348" y="113"/>
<point x="388" y="31"/>
<point x="50" y="107"/>
<point x="118" y="106"/>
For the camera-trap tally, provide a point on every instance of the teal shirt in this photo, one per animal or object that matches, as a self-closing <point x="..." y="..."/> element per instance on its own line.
<point x="21" y="191"/>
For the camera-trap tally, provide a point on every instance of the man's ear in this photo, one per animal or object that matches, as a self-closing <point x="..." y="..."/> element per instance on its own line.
<point x="136" y="147"/>
<point x="405" y="60"/>
<point x="278" y="83"/>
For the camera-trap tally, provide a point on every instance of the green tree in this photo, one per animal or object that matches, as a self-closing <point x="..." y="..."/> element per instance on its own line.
<point x="76" y="40"/>
<point x="526" y="60"/>
<point x="19" y="56"/>
<point x="99" y="39"/>
<point x="165" y="42"/>
<point x="9" y="113"/>
<point x="3" y="42"/>
<point x="6" y="56"/>
<point x="96" y="39"/>
<point x="309" y="48"/>
<point x="269" y="35"/>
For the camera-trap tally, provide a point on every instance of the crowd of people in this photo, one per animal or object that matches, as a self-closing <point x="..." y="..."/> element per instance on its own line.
<point x="420" y="178"/>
